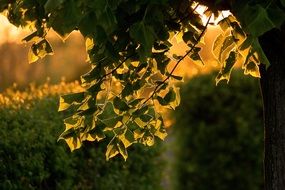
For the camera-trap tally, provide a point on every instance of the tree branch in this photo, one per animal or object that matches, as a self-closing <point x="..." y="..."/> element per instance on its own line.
<point x="178" y="62"/>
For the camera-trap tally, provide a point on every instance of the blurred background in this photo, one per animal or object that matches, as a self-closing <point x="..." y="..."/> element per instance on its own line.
<point x="67" y="63"/>
<point x="215" y="141"/>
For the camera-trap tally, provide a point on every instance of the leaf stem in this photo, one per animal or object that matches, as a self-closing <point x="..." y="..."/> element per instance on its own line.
<point x="116" y="68"/>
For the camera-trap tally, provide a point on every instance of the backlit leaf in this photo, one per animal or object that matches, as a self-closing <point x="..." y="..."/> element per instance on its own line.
<point x="39" y="50"/>
<point x="33" y="37"/>
<point x="217" y="45"/>
<point x="196" y="58"/>
<point x="252" y="69"/>
<point x="112" y="149"/>
<point x="225" y="71"/>
<point x="122" y="149"/>
<point x="229" y="41"/>
<point x="161" y="133"/>
<point x="120" y="104"/>
<point x="66" y="101"/>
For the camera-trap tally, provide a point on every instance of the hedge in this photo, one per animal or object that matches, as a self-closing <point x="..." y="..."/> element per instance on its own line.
<point x="218" y="135"/>
<point x="31" y="157"/>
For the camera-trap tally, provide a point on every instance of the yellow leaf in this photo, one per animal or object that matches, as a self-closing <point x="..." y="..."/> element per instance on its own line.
<point x="32" y="57"/>
<point x="73" y="143"/>
<point x="127" y="138"/>
<point x="139" y="122"/>
<point x="252" y="69"/>
<point x="138" y="134"/>
<point x="177" y="100"/>
<point x="90" y="138"/>
<point x="62" y="105"/>
<point x="149" y="140"/>
<point x="112" y="149"/>
<point x="122" y="150"/>
<point x="89" y="44"/>
<point x="179" y="37"/>
<point x="161" y="133"/>
<point x="217" y="45"/>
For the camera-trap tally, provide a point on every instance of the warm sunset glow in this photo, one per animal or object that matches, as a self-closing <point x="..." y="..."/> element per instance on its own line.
<point x="201" y="10"/>
<point x="9" y="32"/>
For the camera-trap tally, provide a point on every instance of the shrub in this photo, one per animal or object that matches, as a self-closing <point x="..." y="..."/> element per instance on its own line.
<point x="31" y="157"/>
<point x="218" y="135"/>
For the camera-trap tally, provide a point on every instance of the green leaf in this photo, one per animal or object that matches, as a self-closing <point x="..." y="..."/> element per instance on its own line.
<point x="180" y="78"/>
<point x="196" y="58"/>
<point x="122" y="150"/>
<point x="252" y="69"/>
<point x="107" y="19"/>
<point x="109" y="116"/>
<point x="128" y="90"/>
<point x="224" y="24"/>
<point x="72" y="132"/>
<point x="225" y="71"/>
<point x="177" y="57"/>
<point x="255" y="19"/>
<point x="66" y="101"/>
<point x="33" y="37"/>
<point x="120" y="104"/>
<point x="87" y="103"/>
<point x="66" y="19"/>
<point x="218" y="45"/>
<point x="261" y="55"/>
<point x="147" y="139"/>
<point x="84" y="24"/>
<point x="161" y="101"/>
<point x="112" y="149"/>
<point x="143" y="34"/>
<point x="226" y="47"/>
<point x="95" y="88"/>
<point x="190" y="37"/>
<point x="276" y="15"/>
<point x="176" y="102"/>
<point x="140" y="111"/>
<point x="127" y="138"/>
<point x="171" y="99"/>
<point x="52" y="5"/>
<point x="146" y="118"/>
<point x="39" y="50"/>
<point x="140" y="123"/>
<point x="97" y="130"/>
<point x="92" y="75"/>
<point x="247" y="43"/>
<point x="161" y="133"/>
<point x="170" y="96"/>
<point x="160" y="130"/>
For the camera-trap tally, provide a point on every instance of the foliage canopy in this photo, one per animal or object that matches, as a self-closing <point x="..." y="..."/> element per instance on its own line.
<point x="128" y="42"/>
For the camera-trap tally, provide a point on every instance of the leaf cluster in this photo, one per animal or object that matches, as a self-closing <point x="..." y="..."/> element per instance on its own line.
<point x="128" y="43"/>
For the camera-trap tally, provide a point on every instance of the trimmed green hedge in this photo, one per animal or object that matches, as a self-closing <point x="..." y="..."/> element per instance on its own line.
<point x="218" y="135"/>
<point x="31" y="157"/>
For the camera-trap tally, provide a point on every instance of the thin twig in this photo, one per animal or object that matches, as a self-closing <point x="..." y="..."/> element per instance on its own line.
<point x="114" y="70"/>
<point x="190" y="13"/>
<point x="178" y="62"/>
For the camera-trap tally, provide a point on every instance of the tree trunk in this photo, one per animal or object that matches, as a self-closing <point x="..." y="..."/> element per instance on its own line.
<point x="273" y="91"/>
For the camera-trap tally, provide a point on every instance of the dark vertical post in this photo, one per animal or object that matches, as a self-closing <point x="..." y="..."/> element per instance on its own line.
<point x="273" y="91"/>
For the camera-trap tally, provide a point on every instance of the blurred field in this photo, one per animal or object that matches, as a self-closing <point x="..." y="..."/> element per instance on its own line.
<point x="68" y="62"/>
<point x="15" y="98"/>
